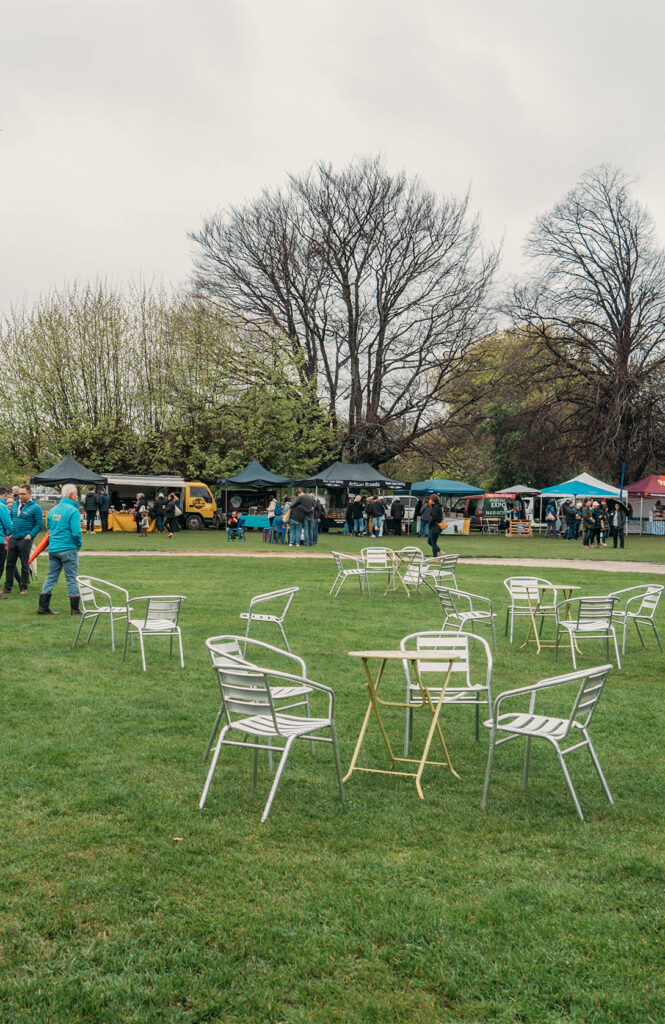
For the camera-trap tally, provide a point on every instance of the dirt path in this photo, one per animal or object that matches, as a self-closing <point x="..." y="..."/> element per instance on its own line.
<point x="604" y="565"/>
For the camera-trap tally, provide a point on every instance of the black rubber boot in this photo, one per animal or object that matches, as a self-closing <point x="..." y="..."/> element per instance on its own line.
<point x="74" y="603"/>
<point x="44" y="602"/>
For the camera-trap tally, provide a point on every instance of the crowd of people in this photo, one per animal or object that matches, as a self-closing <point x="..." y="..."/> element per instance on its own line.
<point x="374" y="516"/>
<point x="595" y="520"/>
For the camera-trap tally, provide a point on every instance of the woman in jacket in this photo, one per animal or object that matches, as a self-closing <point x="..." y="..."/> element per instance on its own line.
<point x="436" y="524"/>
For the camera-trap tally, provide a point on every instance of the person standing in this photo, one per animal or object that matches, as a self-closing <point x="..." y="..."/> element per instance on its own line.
<point x="90" y="504"/>
<point x="425" y="518"/>
<point x="302" y="518"/>
<point x="64" y="542"/>
<point x="436" y="524"/>
<point x="587" y="524"/>
<point x="139" y="508"/>
<point x="397" y="515"/>
<point x="357" y="518"/>
<point x="550" y="519"/>
<point x="5" y="530"/>
<point x="27" y="521"/>
<point x="170" y="514"/>
<point x="158" y="508"/>
<point x="416" y="515"/>
<point x="272" y="511"/>
<point x="377" y="512"/>
<point x="618" y="524"/>
<point x="104" y="506"/>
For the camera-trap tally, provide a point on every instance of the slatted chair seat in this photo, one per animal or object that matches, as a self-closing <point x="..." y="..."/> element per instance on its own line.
<point x="348" y="568"/>
<point x="229" y="650"/>
<point x="590" y="619"/>
<point x="507" y="726"/>
<point x="249" y="712"/>
<point x="98" y="599"/>
<point x="279" y="600"/>
<point x="637" y="605"/>
<point x="160" y="618"/>
<point x="470" y="673"/>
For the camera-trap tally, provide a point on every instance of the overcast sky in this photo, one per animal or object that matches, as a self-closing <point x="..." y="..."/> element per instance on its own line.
<point x="124" y="122"/>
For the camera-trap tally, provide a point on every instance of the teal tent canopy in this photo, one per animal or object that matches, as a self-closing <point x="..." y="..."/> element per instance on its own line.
<point x="449" y="488"/>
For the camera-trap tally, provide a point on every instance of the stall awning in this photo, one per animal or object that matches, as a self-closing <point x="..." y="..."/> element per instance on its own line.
<point x="68" y="471"/>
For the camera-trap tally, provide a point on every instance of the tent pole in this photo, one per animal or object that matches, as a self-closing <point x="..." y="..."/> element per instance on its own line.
<point x="641" y="515"/>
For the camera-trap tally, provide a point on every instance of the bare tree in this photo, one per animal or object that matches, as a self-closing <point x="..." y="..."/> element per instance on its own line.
<point x="379" y="286"/>
<point x="596" y="303"/>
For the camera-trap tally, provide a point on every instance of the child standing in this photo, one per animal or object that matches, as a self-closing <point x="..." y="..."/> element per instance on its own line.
<point x="145" y="524"/>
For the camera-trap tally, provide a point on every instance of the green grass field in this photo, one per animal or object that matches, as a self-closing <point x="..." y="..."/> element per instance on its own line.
<point x="122" y="902"/>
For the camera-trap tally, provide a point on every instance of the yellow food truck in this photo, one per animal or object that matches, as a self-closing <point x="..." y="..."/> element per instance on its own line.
<point x="199" y="508"/>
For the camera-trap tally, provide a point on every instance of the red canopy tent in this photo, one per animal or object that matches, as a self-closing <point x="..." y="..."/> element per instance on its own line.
<point x="652" y="486"/>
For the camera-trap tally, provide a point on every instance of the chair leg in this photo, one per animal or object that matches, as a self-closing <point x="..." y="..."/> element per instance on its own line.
<point x="182" y="658"/>
<point x="213" y="765"/>
<point x="596" y="762"/>
<point x="623" y="639"/>
<point x="569" y="783"/>
<point x="488" y="773"/>
<point x="124" y="649"/>
<point x="477" y="719"/>
<point x="653" y="624"/>
<point x="78" y="631"/>
<point x="527" y="761"/>
<point x="142" y="650"/>
<point x="112" y="633"/>
<point x="286" y="642"/>
<point x="408" y="725"/>
<point x="211" y="740"/>
<point x="278" y="775"/>
<point x="639" y="633"/>
<point x="572" y="649"/>
<point x="616" y="645"/>
<point x="92" y="630"/>
<point x="505" y="632"/>
<point x="338" y="763"/>
<point x="255" y="768"/>
<point x="494" y="636"/>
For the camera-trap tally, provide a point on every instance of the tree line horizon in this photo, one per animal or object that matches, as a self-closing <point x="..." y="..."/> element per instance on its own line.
<point x="353" y="314"/>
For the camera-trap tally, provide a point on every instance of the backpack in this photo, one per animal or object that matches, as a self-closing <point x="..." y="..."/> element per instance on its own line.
<point x="278" y="509"/>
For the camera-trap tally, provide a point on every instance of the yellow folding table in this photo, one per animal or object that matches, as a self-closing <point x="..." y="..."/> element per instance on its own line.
<point x="376" y="703"/>
<point x="533" y="636"/>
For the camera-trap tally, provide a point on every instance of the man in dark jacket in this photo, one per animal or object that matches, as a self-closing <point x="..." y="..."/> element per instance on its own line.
<point x="90" y="504"/>
<point x="377" y="512"/>
<point x="357" y="517"/>
<point x="302" y="516"/>
<point x="27" y="521"/>
<point x="436" y="524"/>
<point x="104" y="506"/>
<point x="397" y="515"/>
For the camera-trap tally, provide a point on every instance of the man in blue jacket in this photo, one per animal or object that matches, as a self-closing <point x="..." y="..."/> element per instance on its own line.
<point x="5" y="530"/>
<point x="27" y="521"/>
<point x="65" y="539"/>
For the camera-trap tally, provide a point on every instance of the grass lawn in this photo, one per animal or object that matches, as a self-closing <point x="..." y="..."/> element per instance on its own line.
<point x="122" y="902"/>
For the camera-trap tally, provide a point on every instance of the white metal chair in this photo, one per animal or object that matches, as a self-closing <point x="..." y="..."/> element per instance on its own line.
<point x="348" y="567"/>
<point x="528" y="600"/>
<point x="639" y="605"/>
<point x="235" y="650"/>
<point x="379" y="561"/>
<point x="442" y="569"/>
<point x="465" y="611"/>
<point x="471" y="673"/>
<point x="100" y="598"/>
<point x="590" y="619"/>
<point x="280" y="600"/>
<point x="557" y="731"/>
<point x="250" y="713"/>
<point x="160" y="618"/>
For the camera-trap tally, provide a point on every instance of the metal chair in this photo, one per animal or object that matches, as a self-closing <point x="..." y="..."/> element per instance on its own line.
<point x="527" y="601"/>
<point x="471" y="673"/>
<point x="248" y="706"/>
<point x="639" y="605"/>
<point x="443" y="568"/>
<point x="281" y="598"/>
<point x="348" y="567"/>
<point x="159" y="619"/>
<point x="593" y="621"/>
<point x="557" y="731"/>
<point x="101" y="598"/>
<point x="233" y="650"/>
<point x="379" y="561"/>
<point x="465" y="610"/>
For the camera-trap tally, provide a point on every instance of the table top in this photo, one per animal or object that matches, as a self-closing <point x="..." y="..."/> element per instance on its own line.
<point x="424" y="655"/>
<point x="556" y="586"/>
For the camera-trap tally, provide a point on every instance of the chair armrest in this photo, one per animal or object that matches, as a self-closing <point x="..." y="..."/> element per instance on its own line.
<point x="248" y="642"/>
<point x="304" y="681"/>
<point x="546" y="684"/>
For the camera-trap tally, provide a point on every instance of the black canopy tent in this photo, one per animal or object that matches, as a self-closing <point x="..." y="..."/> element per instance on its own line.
<point x="350" y="475"/>
<point x="255" y="477"/>
<point x="68" y="471"/>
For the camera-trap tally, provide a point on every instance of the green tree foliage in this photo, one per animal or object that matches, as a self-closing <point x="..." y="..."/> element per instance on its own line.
<point x="149" y="383"/>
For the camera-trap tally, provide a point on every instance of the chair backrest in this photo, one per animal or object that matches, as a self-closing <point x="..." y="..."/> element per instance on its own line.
<point x="650" y="601"/>
<point x="225" y="650"/>
<point x="592" y="681"/>
<point x="448" y="643"/>
<point x="523" y="590"/>
<point x="595" y="609"/>
<point x="165" y="608"/>
<point x="448" y="562"/>
<point x="282" y="598"/>
<point x="340" y="558"/>
<point x="409" y="554"/>
<point x="98" y="595"/>
<point x="447" y="598"/>
<point x="245" y="693"/>
<point x="378" y="558"/>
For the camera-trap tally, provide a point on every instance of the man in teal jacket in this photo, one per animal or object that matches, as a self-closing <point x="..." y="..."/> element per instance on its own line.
<point x="27" y="521"/>
<point x="5" y="530"/>
<point x="65" y="539"/>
